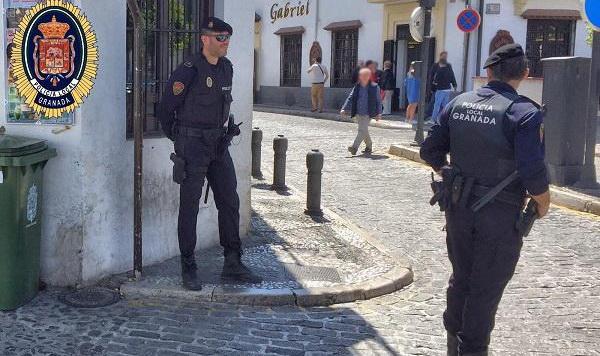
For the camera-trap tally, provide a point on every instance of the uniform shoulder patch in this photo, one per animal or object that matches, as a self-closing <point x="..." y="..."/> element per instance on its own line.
<point x="188" y="64"/>
<point x="178" y="88"/>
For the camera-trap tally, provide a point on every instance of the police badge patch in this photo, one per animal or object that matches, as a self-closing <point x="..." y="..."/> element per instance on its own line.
<point x="178" y="88"/>
<point x="55" y="58"/>
<point x="209" y="82"/>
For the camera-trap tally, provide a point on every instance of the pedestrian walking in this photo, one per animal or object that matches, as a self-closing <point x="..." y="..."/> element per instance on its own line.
<point x="443" y="82"/>
<point x="359" y="65"/>
<point x="495" y="140"/>
<point x="194" y="114"/>
<point x="412" y="86"/>
<point x="388" y="85"/>
<point x="375" y="73"/>
<point x="318" y="75"/>
<point x="363" y="103"/>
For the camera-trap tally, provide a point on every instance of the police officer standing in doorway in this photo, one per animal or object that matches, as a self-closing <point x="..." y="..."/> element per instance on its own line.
<point x="495" y="140"/>
<point x="194" y="113"/>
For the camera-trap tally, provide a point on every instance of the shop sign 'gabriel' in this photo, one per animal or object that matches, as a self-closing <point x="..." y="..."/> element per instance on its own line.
<point x="55" y="58"/>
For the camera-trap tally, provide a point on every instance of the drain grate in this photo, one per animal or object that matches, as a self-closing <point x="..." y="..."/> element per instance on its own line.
<point x="311" y="273"/>
<point x="94" y="297"/>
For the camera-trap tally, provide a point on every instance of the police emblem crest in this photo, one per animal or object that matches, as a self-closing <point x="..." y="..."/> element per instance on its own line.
<point x="178" y="88"/>
<point x="209" y="82"/>
<point x="55" y="58"/>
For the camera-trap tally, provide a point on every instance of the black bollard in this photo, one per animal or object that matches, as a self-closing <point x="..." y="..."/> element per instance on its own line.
<point x="314" y="163"/>
<point x="257" y="136"/>
<point x="280" y="146"/>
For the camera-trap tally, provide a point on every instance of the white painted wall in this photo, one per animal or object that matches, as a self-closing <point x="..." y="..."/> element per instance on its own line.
<point x="88" y="201"/>
<point x="370" y="44"/>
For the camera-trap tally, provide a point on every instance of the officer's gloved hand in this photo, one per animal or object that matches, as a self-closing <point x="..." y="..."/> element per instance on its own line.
<point x="234" y="130"/>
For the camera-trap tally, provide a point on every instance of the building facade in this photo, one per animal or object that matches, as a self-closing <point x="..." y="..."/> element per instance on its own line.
<point x="379" y="30"/>
<point x="88" y="192"/>
<point x="291" y="33"/>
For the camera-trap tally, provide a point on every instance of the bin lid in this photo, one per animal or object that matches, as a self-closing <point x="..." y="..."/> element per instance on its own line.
<point x="16" y="146"/>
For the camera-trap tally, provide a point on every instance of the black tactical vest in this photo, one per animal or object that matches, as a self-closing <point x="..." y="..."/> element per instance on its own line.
<point x="209" y="98"/>
<point x="478" y="145"/>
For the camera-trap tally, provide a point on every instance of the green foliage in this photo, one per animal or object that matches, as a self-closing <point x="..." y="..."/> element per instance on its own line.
<point x="590" y="34"/>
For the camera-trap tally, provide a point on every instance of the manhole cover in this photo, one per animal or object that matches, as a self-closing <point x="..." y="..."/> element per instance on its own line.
<point x="94" y="297"/>
<point x="311" y="273"/>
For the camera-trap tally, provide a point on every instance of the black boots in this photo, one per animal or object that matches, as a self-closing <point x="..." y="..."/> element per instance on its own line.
<point x="234" y="269"/>
<point x="188" y="274"/>
<point x="452" y="345"/>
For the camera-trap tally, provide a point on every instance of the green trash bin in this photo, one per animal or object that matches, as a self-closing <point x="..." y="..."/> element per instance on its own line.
<point x="22" y="162"/>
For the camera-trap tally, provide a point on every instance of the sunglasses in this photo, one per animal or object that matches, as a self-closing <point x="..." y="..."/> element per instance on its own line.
<point x="220" y="38"/>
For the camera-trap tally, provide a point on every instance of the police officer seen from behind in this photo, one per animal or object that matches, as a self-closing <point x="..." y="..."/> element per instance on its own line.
<point x="495" y="140"/>
<point x="194" y="113"/>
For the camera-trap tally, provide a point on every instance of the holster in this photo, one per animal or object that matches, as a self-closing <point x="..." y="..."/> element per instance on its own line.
<point x="453" y="190"/>
<point x="179" y="174"/>
<point x="527" y="218"/>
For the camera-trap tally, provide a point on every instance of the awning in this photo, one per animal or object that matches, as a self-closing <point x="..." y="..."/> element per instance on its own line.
<point x="555" y="14"/>
<point x="296" y="30"/>
<point x="343" y="25"/>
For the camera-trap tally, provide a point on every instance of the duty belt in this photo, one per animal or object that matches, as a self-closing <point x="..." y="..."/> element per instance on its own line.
<point x="210" y="133"/>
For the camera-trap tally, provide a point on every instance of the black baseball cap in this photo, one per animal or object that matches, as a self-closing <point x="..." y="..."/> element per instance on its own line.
<point x="214" y="24"/>
<point x="503" y="53"/>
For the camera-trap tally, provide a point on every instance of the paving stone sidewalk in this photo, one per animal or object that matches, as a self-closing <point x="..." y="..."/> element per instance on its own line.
<point x="304" y="261"/>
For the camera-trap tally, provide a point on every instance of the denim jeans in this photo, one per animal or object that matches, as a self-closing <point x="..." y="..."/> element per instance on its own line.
<point x="442" y="98"/>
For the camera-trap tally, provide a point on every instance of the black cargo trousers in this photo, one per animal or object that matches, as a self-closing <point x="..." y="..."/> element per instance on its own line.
<point x="484" y="249"/>
<point x="203" y="160"/>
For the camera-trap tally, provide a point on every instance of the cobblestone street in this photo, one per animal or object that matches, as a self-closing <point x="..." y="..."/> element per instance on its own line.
<point x="552" y="306"/>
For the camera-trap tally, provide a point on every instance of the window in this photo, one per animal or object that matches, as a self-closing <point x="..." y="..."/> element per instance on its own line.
<point x="291" y="60"/>
<point x="344" y="57"/>
<point x="171" y="35"/>
<point x="548" y="38"/>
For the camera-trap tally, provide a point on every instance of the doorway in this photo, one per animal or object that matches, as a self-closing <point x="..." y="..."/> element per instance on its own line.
<point x="408" y="50"/>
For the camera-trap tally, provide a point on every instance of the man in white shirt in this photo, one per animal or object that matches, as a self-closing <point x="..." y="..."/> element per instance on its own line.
<point x="318" y="75"/>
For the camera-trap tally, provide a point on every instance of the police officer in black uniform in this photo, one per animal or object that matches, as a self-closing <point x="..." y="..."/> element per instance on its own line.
<point x="495" y="140"/>
<point x="194" y="113"/>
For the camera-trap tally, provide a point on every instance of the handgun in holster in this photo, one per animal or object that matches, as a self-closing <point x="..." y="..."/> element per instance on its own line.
<point x="527" y="218"/>
<point x="179" y="174"/>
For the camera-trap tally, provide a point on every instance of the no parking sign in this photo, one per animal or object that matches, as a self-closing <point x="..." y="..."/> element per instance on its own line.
<point x="592" y="13"/>
<point x="468" y="20"/>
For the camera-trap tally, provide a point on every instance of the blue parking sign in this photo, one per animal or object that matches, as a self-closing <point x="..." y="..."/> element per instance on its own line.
<point x="592" y="13"/>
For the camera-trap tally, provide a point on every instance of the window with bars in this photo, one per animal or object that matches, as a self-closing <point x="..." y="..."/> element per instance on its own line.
<point x="171" y="34"/>
<point x="291" y="60"/>
<point x="548" y="38"/>
<point x="344" y="57"/>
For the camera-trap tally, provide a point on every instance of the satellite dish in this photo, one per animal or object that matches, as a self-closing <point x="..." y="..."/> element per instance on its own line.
<point x="417" y="24"/>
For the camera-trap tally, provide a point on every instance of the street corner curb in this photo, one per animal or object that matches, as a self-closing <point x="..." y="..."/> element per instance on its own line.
<point x="254" y="296"/>
<point x="575" y="201"/>
<point x="132" y="290"/>
<point x="410" y="153"/>
<point x="384" y="125"/>
<point x="323" y="296"/>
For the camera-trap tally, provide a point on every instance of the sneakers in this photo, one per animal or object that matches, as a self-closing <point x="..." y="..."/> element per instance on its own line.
<point x="235" y="270"/>
<point x="352" y="150"/>
<point x="367" y="151"/>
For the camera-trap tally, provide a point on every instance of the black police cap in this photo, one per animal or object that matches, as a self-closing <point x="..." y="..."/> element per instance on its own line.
<point x="214" y="24"/>
<point x="503" y="53"/>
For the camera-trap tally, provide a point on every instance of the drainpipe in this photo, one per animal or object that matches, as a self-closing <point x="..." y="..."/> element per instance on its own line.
<point x="316" y="19"/>
<point x="138" y="134"/>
